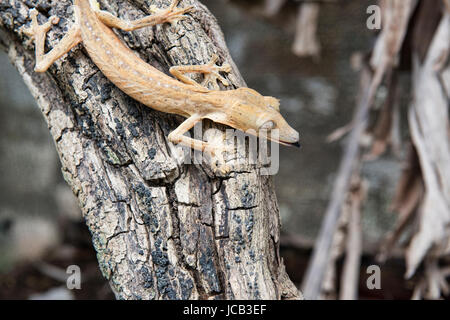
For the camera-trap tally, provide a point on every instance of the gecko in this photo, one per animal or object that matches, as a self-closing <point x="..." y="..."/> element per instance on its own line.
<point x="242" y="108"/>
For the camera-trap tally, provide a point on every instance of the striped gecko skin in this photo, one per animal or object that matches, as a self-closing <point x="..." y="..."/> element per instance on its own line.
<point x="243" y="108"/>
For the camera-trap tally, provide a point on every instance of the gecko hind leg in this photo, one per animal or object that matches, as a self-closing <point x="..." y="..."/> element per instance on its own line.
<point x="210" y="71"/>
<point x="171" y="14"/>
<point x="39" y="32"/>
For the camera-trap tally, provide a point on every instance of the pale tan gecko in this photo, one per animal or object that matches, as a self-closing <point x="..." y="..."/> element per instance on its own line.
<point x="242" y="108"/>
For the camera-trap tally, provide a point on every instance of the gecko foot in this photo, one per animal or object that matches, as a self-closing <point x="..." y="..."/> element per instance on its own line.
<point x="211" y="71"/>
<point x="36" y="30"/>
<point x="220" y="168"/>
<point x="171" y="14"/>
<point x="217" y="159"/>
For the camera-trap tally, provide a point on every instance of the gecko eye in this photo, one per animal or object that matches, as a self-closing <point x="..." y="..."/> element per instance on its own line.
<point x="268" y="125"/>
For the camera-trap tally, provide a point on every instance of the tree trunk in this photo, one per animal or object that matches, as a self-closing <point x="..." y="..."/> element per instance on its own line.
<point x="162" y="230"/>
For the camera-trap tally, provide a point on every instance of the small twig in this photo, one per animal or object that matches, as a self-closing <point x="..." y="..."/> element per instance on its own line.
<point x="51" y="271"/>
<point x="350" y="274"/>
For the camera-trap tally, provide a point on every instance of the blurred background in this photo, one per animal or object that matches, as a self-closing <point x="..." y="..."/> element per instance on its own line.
<point x="41" y="229"/>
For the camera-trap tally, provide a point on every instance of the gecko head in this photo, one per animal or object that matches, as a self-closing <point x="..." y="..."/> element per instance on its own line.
<point x="250" y="111"/>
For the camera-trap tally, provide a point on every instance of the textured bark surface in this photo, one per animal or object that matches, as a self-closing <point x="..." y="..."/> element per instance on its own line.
<point x="161" y="229"/>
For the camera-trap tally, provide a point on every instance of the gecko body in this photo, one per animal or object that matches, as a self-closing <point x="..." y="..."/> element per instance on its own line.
<point x="128" y="72"/>
<point x="242" y="108"/>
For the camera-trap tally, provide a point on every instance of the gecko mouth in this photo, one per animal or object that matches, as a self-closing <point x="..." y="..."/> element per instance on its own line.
<point x="290" y="138"/>
<point x="285" y="143"/>
<point x="290" y="144"/>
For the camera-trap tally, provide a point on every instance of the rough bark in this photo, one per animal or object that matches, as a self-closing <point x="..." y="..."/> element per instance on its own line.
<point x="161" y="229"/>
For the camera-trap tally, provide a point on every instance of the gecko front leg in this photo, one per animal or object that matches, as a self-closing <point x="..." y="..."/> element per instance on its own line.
<point x="39" y="33"/>
<point x="210" y="71"/>
<point x="177" y="137"/>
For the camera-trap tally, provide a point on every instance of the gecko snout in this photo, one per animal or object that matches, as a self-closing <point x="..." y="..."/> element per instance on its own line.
<point x="284" y="134"/>
<point x="289" y="137"/>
